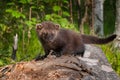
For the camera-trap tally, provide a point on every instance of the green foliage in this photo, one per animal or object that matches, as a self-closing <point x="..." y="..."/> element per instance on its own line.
<point x="25" y="1"/>
<point x="62" y="21"/>
<point x="29" y="48"/>
<point x="86" y="29"/>
<point x="109" y="16"/>
<point x="56" y="8"/>
<point x="113" y="56"/>
<point x="18" y="18"/>
<point x="15" y="13"/>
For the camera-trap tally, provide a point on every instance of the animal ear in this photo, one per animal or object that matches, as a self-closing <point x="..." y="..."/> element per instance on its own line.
<point x="39" y="26"/>
<point x="57" y="26"/>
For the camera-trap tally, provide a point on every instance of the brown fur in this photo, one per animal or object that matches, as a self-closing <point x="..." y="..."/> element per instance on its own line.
<point x="63" y="41"/>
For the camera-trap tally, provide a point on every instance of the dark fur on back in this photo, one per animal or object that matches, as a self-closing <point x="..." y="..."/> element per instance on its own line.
<point x="64" y="41"/>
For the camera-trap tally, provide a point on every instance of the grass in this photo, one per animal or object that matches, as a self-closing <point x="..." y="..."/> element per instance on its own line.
<point x="113" y="56"/>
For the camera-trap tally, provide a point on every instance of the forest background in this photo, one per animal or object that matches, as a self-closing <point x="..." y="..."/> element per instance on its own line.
<point x="19" y="17"/>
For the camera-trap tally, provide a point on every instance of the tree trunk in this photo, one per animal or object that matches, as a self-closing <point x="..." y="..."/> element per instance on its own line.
<point x="92" y="17"/>
<point x="84" y="19"/>
<point x="117" y="24"/>
<point x="79" y="12"/>
<point x="98" y="17"/>
<point x="71" y="15"/>
<point x="60" y="11"/>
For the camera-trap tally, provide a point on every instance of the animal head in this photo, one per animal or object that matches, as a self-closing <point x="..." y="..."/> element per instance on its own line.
<point x="47" y="30"/>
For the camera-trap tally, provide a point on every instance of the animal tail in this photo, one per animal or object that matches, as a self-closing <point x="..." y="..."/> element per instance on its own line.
<point x="95" y="40"/>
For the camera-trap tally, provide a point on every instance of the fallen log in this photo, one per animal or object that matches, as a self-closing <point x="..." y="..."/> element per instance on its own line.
<point x="93" y="66"/>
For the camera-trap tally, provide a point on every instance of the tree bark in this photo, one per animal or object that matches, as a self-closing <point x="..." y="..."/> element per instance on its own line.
<point x="79" y="12"/>
<point x="117" y="24"/>
<point x="98" y="17"/>
<point x="84" y="19"/>
<point x="71" y="15"/>
<point x="92" y="17"/>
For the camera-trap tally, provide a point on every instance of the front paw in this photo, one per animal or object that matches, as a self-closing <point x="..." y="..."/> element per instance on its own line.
<point x="57" y="54"/>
